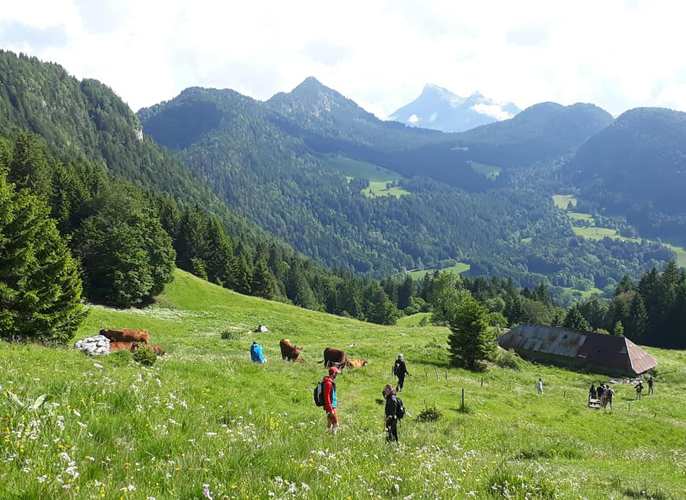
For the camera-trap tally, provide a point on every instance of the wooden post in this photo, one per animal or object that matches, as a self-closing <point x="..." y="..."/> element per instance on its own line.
<point x="436" y="369"/>
<point x="446" y="374"/>
<point x="426" y="374"/>
<point x="482" y="381"/>
<point x="462" y="406"/>
<point x="629" y="406"/>
<point x="564" y="394"/>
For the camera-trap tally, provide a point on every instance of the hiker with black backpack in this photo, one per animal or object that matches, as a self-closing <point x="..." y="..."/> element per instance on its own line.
<point x="394" y="411"/>
<point x="325" y="395"/>
<point x="400" y="370"/>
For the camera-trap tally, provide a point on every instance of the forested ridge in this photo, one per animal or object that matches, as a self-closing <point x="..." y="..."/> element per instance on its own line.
<point x="271" y="161"/>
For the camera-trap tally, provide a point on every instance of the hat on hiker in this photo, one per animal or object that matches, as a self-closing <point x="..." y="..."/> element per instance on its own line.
<point x="400" y="356"/>
<point x="333" y="370"/>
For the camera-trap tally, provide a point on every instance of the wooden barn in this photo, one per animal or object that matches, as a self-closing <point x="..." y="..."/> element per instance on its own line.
<point x="602" y="353"/>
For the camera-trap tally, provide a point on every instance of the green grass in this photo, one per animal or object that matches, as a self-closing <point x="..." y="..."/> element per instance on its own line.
<point x="379" y="189"/>
<point x="414" y="319"/>
<point x="363" y="169"/>
<point x="460" y="267"/>
<point x="204" y="414"/>
<point x="489" y="171"/>
<point x="526" y="240"/>
<point x="563" y="201"/>
<point x="581" y="216"/>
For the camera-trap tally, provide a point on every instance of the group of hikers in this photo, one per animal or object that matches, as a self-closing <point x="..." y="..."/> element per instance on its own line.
<point x="604" y="392"/>
<point x="394" y="409"/>
<point x="325" y="394"/>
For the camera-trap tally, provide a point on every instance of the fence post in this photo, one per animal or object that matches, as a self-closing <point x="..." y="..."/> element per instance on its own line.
<point x="462" y="406"/>
<point x="426" y="374"/>
<point x="436" y="370"/>
<point x="446" y="374"/>
<point x="482" y="381"/>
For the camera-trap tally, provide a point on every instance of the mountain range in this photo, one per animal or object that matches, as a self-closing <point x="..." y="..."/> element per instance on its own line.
<point x="439" y="109"/>
<point x="315" y="170"/>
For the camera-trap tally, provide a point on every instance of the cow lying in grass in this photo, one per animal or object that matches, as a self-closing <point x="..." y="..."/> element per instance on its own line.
<point x="134" y="346"/>
<point x="126" y="335"/>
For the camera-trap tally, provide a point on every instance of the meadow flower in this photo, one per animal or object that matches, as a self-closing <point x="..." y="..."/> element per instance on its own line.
<point x="206" y="491"/>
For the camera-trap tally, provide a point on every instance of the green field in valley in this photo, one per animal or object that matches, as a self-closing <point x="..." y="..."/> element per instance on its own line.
<point x="414" y="319"/>
<point x="205" y="421"/>
<point x="458" y="268"/>
<point x="489" y="171"/>
<point x="563" y="201"/>
<point x="377" y="176"/>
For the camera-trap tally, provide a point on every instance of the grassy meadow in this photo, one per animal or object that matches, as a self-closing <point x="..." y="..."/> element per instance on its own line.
<point x="460" y="267"/>
<point x="377" y="176"/>
<point x="206" y="422"/>
<point x="489" y="171"/>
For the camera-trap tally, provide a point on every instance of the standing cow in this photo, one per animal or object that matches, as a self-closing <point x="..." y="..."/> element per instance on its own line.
<point x="334" y="357"/>
<point x="289" y="351"/>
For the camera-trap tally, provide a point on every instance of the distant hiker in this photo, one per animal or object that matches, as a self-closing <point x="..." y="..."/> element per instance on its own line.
<point x="256" y="353"/>
<point x="650" y="385"/>
<point x="391" y="413"/>
<point x="539" y="385"/>
<point x="609" y="392"/>
<point x="400" y="370"/>
<point x="330" y="400"/>
<point x="592" y="392"/>
<point x="639" y="389"/>
<point x="601" y="389"/>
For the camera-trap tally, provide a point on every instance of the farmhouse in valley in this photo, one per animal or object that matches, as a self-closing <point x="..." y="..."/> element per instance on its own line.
<point x="617" y="356"/>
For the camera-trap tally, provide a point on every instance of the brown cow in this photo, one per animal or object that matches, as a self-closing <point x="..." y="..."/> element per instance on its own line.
<point x="123" y="346"/>
<point x="356" y="363"/>
<point x="289" y="351"/>
<point x="334" y="357"/>
<point x="126" y="335"/>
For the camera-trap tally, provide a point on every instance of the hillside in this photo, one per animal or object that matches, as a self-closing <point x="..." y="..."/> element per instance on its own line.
<point x="543" y="131"/>
<point x="637" y="167"/>
<point x="205" y="415"/>
<point x="439" y="109"/>
<point x="302" y="166"/>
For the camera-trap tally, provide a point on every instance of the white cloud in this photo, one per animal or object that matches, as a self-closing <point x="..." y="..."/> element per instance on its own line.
<point x="615" y="53"/>
<point x="413" y="119"/>
<point x="492" y="110"/>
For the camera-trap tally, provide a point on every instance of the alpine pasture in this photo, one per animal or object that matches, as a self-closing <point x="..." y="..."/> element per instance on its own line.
<point x="205" y="422"/>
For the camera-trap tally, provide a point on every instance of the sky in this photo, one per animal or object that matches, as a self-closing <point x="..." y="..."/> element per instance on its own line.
<point x="618" y="54"/>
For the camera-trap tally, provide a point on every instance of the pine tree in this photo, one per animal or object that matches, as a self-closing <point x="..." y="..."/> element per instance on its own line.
<point x="618" y="329"/>
<point x="29" y="167"/>
<point x="470" y="339"/>
<point x="405" y="292"/>
<point x="575" y="320"/>
<point x="243" y="275"/>
<point x="263" y="284"/>
<point x="638" y="322"/>
<point x="40" y="287"/>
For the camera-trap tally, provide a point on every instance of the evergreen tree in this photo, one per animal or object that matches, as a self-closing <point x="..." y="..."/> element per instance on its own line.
<point x="618" y="329"/>
<point x="40" y="287"/>
<point x="383" y="311"/>
<point x="470" y="339"/>
<point x="263" y="284"/>
<point x="514" y="310"/>
<point x="405" y="292"/>
<point x="29" y="167"/>
<point x="575" y="320"/>
<point x="638" y="321"/>
<point x="625" y="285"/>
<point x="243" y="275"/>
<point x="298" y="289"/>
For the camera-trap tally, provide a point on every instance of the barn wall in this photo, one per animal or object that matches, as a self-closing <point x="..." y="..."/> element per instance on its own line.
<point x="569" y="362"/>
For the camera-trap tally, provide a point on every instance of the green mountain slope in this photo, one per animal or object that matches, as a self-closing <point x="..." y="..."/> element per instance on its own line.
<point x="283" y="164"/>
<point x="637" y="167"/>
<point x="205" y="415"/>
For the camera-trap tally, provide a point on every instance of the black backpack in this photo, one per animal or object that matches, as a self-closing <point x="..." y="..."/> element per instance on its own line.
<point x="399" y="408"/>
<point x="396" y="366"/>
<point x="319" y="394"/>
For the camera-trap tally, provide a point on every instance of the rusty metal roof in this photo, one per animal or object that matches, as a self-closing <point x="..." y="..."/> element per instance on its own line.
<point x="594" y="348"/>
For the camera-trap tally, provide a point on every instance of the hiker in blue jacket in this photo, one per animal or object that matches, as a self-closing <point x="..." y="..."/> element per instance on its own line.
<point x="256" y="354"/>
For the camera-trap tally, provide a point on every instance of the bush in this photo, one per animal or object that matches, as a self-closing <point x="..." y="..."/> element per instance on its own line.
<point x="120" y="358"/>
<point x="145" y="356"/>
<point x="508" y="359"/>
<point x="231" y="335"/>
<point x="429" y="414"/>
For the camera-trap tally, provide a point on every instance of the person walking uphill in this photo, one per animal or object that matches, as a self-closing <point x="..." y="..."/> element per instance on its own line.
<point x="330" y="400"/>
<point x="650" y="385"/>
<point x="391" y="413"/>
<point x="400" y="370"/>
<point x="256" y="353"/>
<point x="539" y="385"/>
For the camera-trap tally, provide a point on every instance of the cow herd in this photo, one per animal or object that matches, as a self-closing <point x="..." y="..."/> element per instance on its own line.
<point x="332" y="357"/>
<point x="129" y="340"/>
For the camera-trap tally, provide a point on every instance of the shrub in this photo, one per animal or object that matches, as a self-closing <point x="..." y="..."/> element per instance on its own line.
<point x="508" y="359"/>
<point x="145" y="356"/>
<point x="120" y="358"/>
<point x="231" y="335"/>
<point x="429" y="414"/>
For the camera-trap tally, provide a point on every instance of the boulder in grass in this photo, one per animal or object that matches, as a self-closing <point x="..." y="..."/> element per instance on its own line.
<point x="94" y="346"/>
